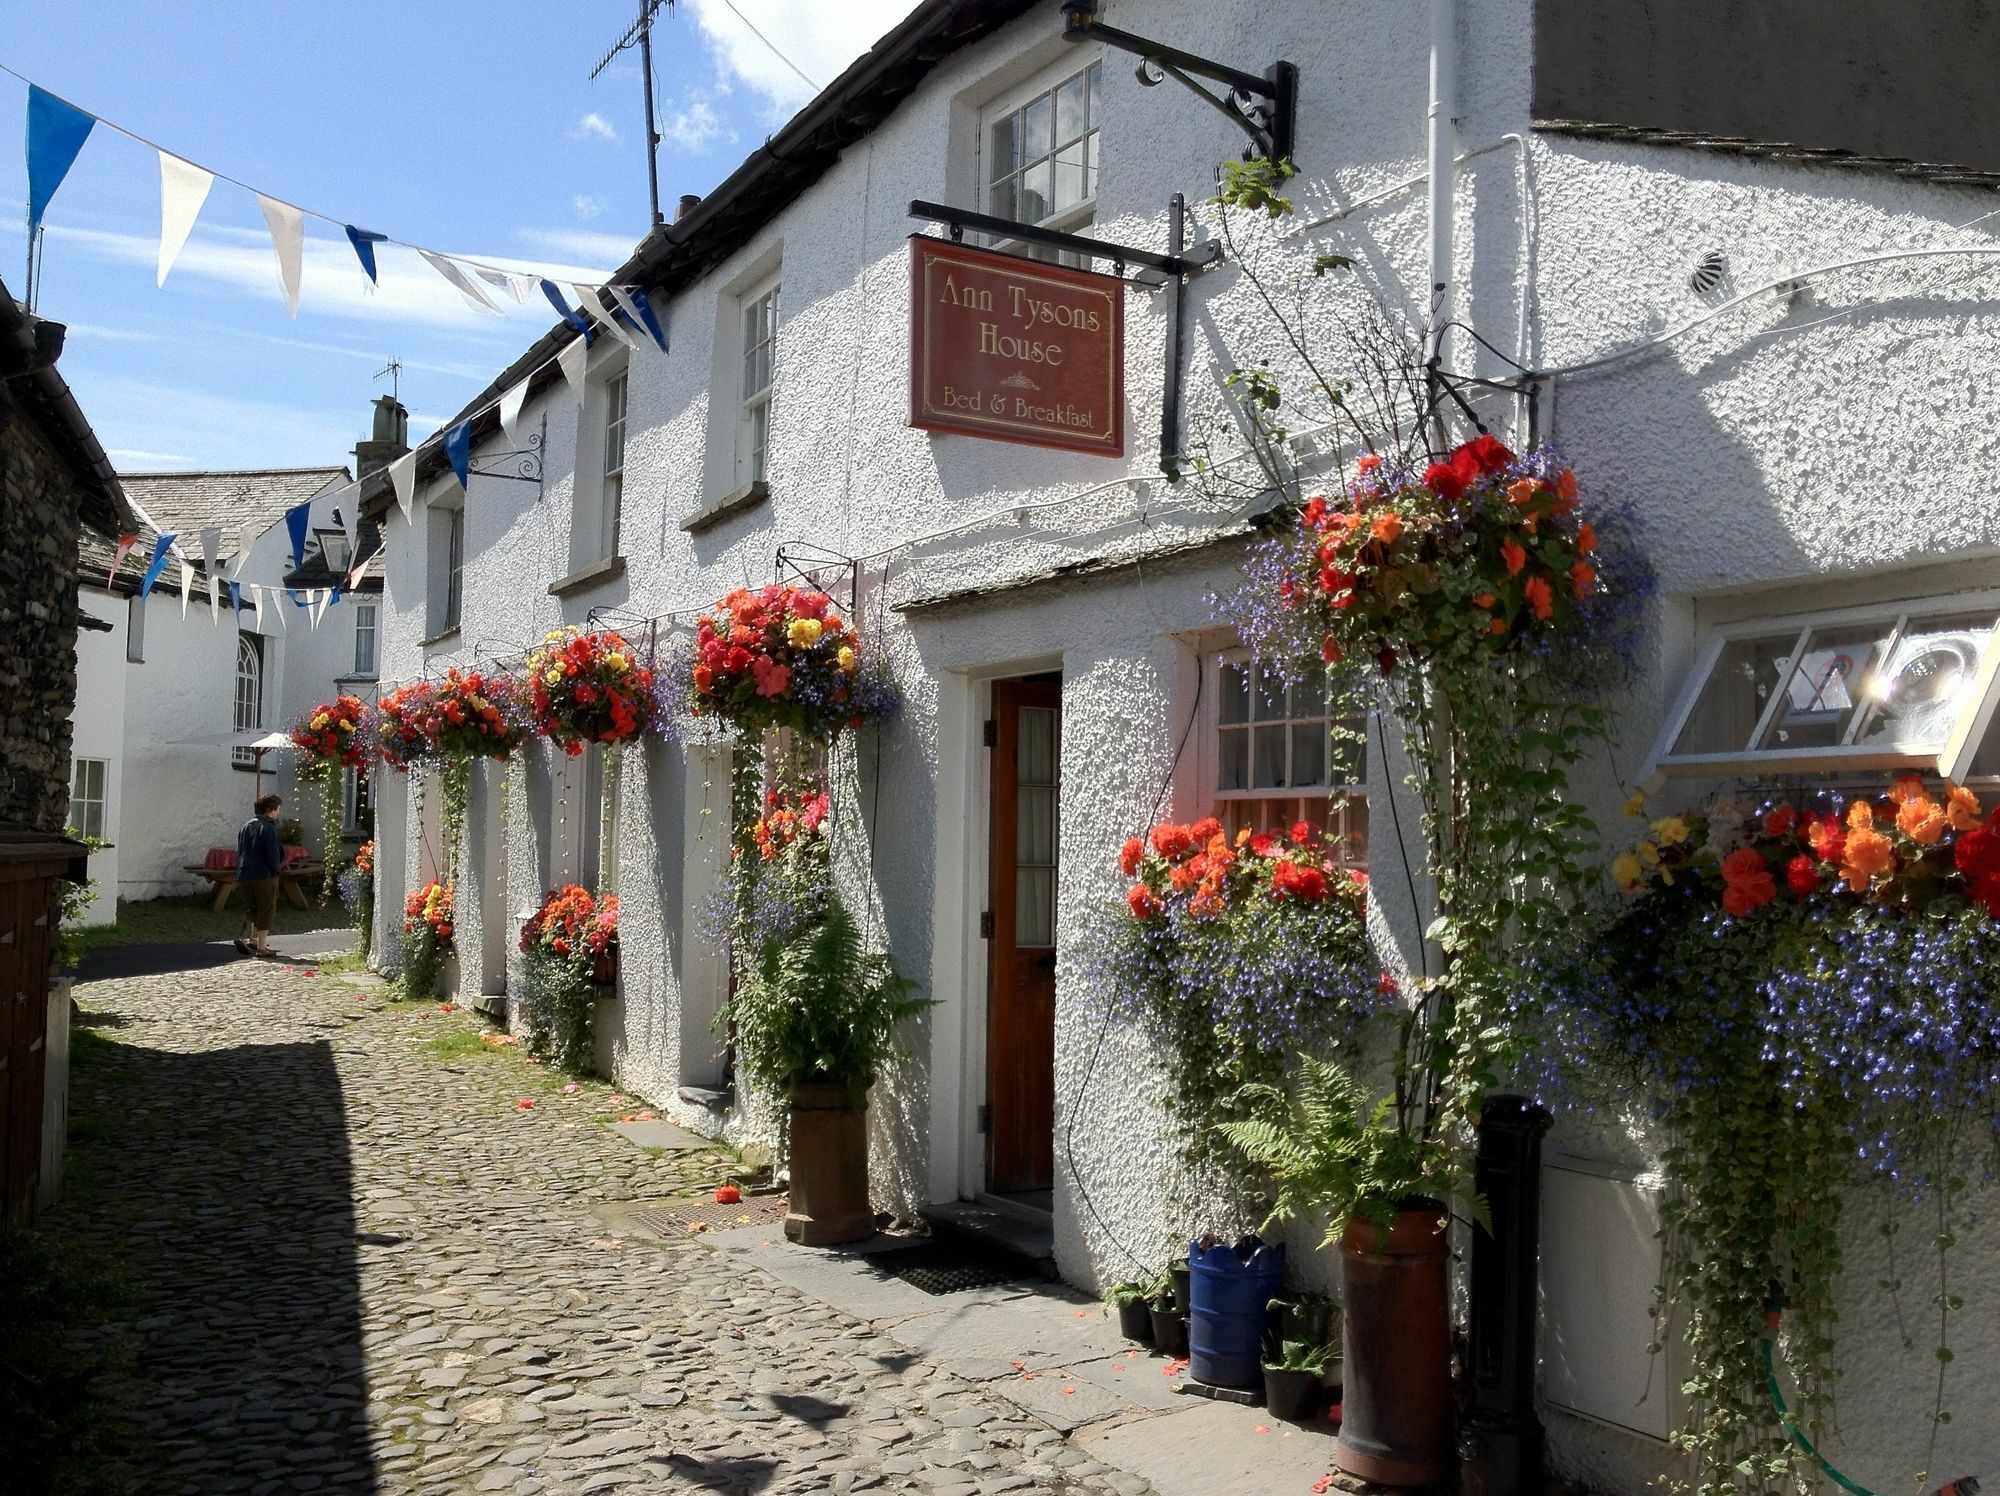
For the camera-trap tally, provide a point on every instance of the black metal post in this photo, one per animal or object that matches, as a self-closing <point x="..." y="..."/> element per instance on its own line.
<point x="1170" y="401"/>
<point x="1500" y="1443"/>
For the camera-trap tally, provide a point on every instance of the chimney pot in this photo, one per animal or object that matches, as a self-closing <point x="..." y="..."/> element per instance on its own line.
<point x="688" y="203"/>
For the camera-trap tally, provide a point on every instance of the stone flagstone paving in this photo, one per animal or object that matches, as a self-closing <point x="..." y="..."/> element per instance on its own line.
<point x="366" y="1268"/>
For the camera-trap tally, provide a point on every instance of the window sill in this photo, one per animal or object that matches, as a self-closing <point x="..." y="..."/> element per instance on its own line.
<point x="354" y="680"/>
<point x="713" y="513"/>
<point x="442" y="636"/>
<point x="588" y="576"/>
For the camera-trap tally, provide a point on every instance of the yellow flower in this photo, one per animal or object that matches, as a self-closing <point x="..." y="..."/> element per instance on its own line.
<point x="553" y="677"/>
<point x="1626" y="872"/>
<point x="616" y="663"/>
<point x="346" y="725"/>
<point x="804" y="632"/>
<point x="1636" y="806"/>
<point x="1647" y="853"/>
<point x="846" y="660"/>
<point x="1671" y="831"/>
<point x="318" y="723"/>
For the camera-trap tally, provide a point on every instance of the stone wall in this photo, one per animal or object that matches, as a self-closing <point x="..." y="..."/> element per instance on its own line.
<point x="38" y="611"/>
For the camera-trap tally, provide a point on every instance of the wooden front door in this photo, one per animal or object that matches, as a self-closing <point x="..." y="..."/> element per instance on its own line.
<point x="1021" y="957"/>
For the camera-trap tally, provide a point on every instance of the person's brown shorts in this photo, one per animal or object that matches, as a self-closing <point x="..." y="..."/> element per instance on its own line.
<point x="263" y="896"/>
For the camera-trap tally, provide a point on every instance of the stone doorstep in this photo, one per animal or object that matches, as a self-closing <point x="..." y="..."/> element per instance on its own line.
<point x="1119" y="1408"/>
<point x="661" y="1135"/>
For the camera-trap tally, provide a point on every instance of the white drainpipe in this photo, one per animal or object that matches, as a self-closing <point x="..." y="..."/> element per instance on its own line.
<point x="1442" y="152"/>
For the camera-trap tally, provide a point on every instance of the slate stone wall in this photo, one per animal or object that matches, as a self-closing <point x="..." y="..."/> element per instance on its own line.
<point x="38" y="612"/>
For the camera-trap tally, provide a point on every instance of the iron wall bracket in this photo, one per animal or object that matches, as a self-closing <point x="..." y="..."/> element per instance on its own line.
<point x="522" y="465"/>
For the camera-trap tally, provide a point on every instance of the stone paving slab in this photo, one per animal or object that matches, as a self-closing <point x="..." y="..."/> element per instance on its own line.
<point x="1215" y="1449"/>
<point x="662" y="1135"/>
<point x="983" y="1341"/>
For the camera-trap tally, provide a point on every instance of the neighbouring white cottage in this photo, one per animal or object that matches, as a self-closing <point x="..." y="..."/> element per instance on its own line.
<point x="165" y="681"/>
<point x="1771" y="360"/>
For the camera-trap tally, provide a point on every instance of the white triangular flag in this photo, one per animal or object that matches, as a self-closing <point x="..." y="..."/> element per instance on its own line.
<point x="510" y="410"/>
<point x="257" y="600"/>
<point x="571" y="361"/>
<point x="350" y="521"/>
<point x="403" y="474"/>
<point x="360" y="573"/>
<point x="594" y="302"/>
<point x="246" y="540"/>
<point x="288" y="238"/>
<point x="187" y="584"/>
<point x="474" y="297"/>
<point x="279" y="604"/>
<point x="183" y="189"/>
<point x="318" y="605"/>
<point x="631" y="309"/>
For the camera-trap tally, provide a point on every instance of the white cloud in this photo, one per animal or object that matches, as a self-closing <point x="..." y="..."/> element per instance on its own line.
<point x="129" y="458"/>
<point x="697" y="127"/>
<point x="587" y="205"/>
<point x="593" y="126"/>
<point x="593" y="245"/>
<point x="821" y="36"/>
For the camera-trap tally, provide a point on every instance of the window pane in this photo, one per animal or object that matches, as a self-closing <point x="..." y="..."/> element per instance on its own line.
<point x="1268" y="758"/>
<point x="1233" y="759"/>
<point x="1035" y="190"/>
<point x="1827" y="687"/>
<point x="1035" y="840"/>
<point x="1070" y="122"/>
<point x="1037" y="749"/>
<point x="1309" y="694"/>
<point x="1000" y="198"/>
<point x="1090" y="166"/>
<point x="1034" y="906"/>
<point x="1234" y="683"/>
<point x="1069" y="182"/>
<point x="1927" y="681"/>
<point x="1269" y="704"/>
<point x="1726" y="713"/>
<point x="1002" y="153"/>
<point x="1036" y="120"/>
<point x="1308" y="753"/>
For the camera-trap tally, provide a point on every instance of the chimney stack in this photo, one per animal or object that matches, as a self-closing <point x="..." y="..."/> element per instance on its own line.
<point x="388" y="439"/>
<point x="688" y="203"/>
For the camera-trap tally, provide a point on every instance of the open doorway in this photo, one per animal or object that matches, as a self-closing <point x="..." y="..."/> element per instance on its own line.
<point x="1025" y="736"/>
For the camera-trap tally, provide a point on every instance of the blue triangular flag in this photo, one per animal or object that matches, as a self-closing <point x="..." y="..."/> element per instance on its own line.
<point x="56" y="132"/>
<point x="569" y="314"/>
<point x="235" y="596"/>
<point x="298" y="598"/>
<point x="652" y="322"/>
<point x="159" y="564"/>
<point x="458" y="448"/>
<point x="364" y="242"/>
<point x="296" y="519"/>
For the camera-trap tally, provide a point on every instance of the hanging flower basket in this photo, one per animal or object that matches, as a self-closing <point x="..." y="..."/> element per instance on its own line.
<point x="331" y="735"/>
<point x="781" y="656"/>
<point x="406" y="725"/>
<point x="474" y="715"/>
<point x="588" y="688"/>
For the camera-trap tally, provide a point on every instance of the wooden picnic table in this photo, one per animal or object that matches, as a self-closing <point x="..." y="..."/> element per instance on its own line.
<point x="292" y="880"/>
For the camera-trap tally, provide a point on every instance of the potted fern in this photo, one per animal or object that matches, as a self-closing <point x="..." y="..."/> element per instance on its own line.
<point x="815" y="1018"/>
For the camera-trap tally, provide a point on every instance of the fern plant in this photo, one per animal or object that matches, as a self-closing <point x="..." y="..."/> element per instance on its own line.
<point x="819" y="1009"/>
<point x="1326" y="1150"/>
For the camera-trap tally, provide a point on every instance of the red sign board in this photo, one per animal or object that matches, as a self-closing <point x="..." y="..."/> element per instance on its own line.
<point x="1015" y="350"/>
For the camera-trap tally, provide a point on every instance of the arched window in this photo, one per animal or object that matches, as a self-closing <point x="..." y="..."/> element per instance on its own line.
<point x="249" y="692"/>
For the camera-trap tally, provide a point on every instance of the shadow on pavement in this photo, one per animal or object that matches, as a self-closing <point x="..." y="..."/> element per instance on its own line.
<point x="110" y="963"/>
<point x="224" y="1178"/>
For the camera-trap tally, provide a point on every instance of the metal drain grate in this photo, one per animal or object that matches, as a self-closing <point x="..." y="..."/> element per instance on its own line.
<point x="940" y="1267"/>
<point x="676" y="1217"/>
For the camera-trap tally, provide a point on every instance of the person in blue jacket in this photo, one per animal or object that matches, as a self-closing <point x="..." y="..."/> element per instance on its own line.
<point x="260" y="857"/>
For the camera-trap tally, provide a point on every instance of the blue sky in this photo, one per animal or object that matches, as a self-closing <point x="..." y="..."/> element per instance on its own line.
<point x="470" y="126"/>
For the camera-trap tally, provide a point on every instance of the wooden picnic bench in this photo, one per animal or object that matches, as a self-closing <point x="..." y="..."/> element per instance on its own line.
<point x="222" y="878"/>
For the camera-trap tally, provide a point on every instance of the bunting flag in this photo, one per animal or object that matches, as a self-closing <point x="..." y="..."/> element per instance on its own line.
<point x="246" y="541"/>
<point x="645" y="306"/>
<point x="350" y="521"/>
<point x="187" y="585"/>
<point x="211" y="542"/>
<point x="571" y="362"/>
<point x="318" y="605"/>
<point x="403" y="474"/>
<point x="510" y="411"/>
<point x="607" y="320"/>
<point x="257" y="602"/>
<point x="564" y="310"/>
<point x="125" y="544"/>
<point x="56" y="132"/>
<point x="183" y="189"/>
<point x="461" y="282"/>
<point x="360" y="572"/>
<point x="158" y="563"/>
<point x="288" y="241"/>
<point x="458" y="450"/>
<point x="627" y="307"/>
<point x="279" y="611"/>
<point x="296" y="519"/>
<point x="235" y="597"/>
<point x="364" y="242"/>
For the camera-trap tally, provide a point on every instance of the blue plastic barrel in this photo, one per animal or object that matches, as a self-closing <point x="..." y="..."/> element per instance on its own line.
<point x="1230" y="1287"/>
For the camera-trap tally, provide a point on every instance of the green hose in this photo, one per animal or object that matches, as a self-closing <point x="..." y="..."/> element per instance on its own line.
<point x="1791" y="1424"/>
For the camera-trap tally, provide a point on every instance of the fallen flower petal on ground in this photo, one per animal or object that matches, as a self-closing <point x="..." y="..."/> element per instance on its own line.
<point x="1175" y="1367"/>
<point x="525" y="1104"/>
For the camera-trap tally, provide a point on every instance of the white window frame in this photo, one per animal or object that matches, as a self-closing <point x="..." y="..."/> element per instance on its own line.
<point x="454" y="568"/>
<point x="98" y="805"/>
<point x="248" y="645"/>
<point x="367" y="625"/>
<point x="753" y="458"/>
<point x="1045" y="83"/>
<point x="617" y="394"/>
<point x="1952" y="761"/>
<point x="1351" y="846"/>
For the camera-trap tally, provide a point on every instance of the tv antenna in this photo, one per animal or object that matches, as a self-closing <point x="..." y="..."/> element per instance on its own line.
<point x="641" y="31"/>
<point x="394" y="369"/>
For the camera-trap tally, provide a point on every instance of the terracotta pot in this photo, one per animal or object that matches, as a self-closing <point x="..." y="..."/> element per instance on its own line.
<point x="829" y="1203"/>
<point x="1397" y="1403"/>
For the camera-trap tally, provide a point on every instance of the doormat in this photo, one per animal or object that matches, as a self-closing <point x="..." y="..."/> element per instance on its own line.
<point x="940" y="1267"/>
<point x="699" y="1213"/>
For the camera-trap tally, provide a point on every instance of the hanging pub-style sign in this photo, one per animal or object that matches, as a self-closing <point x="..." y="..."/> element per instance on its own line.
<point x="1016" y="350"/>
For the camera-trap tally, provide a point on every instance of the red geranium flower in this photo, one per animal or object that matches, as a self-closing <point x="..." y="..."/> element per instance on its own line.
<point x="1747" y="882"/>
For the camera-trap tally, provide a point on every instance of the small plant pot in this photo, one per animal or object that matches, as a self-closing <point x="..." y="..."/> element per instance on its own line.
<point x="1291" y="1395"/>
<point x="1183" y="1278"/>
<point x="1135" y="1321"/>
<point x="1170" y="1331"/>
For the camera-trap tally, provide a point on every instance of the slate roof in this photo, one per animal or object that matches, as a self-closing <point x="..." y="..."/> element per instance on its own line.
<point x="1769" y="150"/>
<point x="189" y="502"/>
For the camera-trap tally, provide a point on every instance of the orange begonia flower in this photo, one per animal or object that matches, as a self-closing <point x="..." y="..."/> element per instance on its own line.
<point x="1921" y="820"/>
<point x="1523" y="490"/>
<point x="1586" y="538"/>
<point x="1962" y="808"/>
<point x="1514" y="556"/>
<point x="1541" y="597"/>
<point x="1387" y="527"/>
<point x="1868" y="853"/>
<point x="1565" y="484"/>
<point x="1583" y="577"/>
<point x="1907" y="787"/>
<point x="1497" y="626"/>
<point x="1484" y="599"/>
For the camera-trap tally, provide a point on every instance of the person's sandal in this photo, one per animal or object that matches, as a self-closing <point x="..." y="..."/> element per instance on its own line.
<point x="243" y="947"/>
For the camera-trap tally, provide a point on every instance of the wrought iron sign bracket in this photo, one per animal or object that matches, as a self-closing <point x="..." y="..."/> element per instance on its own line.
<point x="802" y="561"/>
<point x="522" y="465"/>
<point x="1265" y="109"/>
<point x="1172" y="271"/>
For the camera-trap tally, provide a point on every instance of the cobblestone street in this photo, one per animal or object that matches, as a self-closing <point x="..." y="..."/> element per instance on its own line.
<point x="365" y="1266"/>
